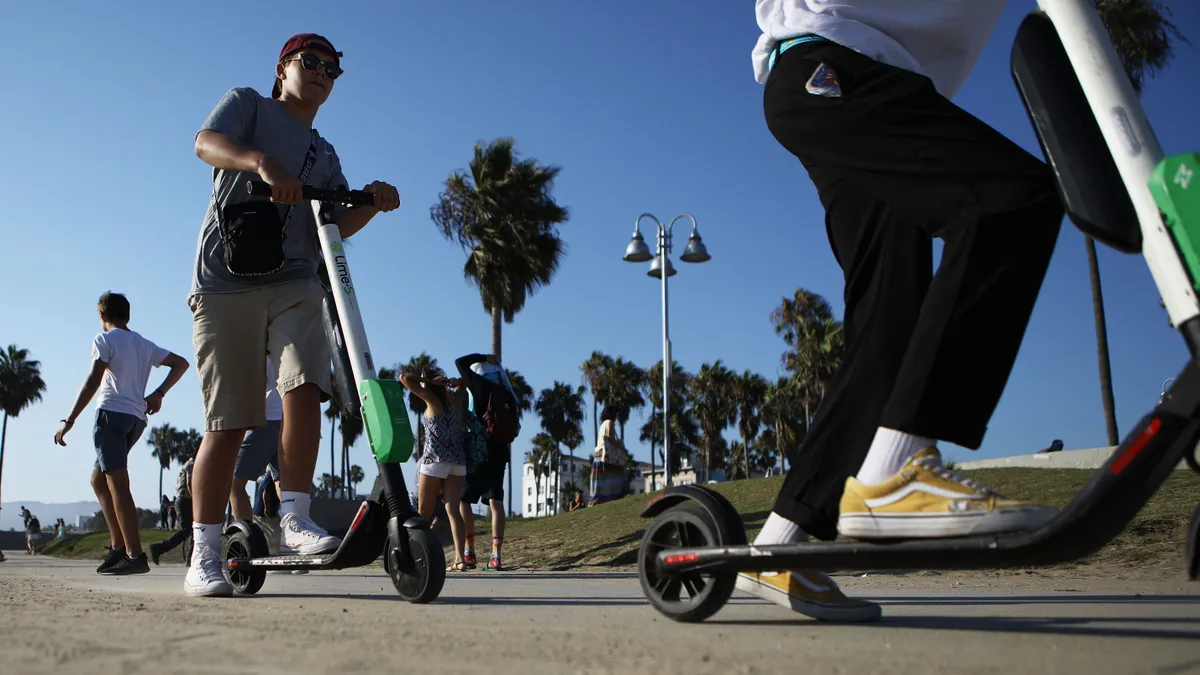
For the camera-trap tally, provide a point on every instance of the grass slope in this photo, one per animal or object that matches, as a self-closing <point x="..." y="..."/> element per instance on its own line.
<point x="609" y="534"/>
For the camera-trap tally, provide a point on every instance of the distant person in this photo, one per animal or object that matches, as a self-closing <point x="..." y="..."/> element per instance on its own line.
<point x="33" y="532"/>
<point x="171" y="515"/>
<point x="483" y="376"/>
<point x="121" y="363"/>
<point x="164" y="513"/>
<point x="25" y="516"/>
<point x="443" y="462"/>
<point x="1056" y="446"/>
<point x="183" y="505"/>
<point x="609" y="479"/>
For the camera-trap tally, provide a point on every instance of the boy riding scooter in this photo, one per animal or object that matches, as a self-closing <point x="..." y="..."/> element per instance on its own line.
<point x="255" y="290"/>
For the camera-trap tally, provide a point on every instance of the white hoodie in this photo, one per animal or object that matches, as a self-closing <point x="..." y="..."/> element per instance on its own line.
<point x="941" y="39"/>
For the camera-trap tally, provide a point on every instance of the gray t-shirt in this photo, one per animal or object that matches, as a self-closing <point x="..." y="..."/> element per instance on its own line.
<point x="252" y="120"/>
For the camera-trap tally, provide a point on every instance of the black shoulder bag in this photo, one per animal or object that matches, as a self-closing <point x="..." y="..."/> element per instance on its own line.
<point x="252" y="231"/>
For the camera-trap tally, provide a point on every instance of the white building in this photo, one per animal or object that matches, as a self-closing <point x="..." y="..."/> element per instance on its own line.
<point x="539" y="501"/>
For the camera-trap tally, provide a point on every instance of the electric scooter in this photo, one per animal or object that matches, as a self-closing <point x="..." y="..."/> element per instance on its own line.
<point x="386" y="524"/>
<point x="1118" y="188"/>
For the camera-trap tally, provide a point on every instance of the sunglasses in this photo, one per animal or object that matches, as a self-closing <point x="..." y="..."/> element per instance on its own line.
<point x="311" y="63"/>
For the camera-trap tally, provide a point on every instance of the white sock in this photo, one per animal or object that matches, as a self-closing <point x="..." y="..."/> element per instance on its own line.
<point x="889" y="451"/>
<point x="779" y="530"/>
<point x="208" y="535"/>
<point x="294" y="502"/>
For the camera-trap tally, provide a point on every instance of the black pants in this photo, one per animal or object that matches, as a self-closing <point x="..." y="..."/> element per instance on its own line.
<point x="896" y="164"/>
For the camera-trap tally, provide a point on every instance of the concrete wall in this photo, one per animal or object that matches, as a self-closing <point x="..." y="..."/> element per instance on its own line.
<point x="1090" y="458"/>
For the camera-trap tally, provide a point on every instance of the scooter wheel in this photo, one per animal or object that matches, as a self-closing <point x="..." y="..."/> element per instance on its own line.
<point x="419" y="579"/>
<point x="241" y="545"/>
<point x="690" y="597"/>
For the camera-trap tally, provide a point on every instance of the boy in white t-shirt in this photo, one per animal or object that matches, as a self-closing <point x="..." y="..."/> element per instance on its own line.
<point x="121" y="363"/>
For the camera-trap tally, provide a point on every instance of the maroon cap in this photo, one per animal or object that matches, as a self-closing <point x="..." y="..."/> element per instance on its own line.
<point x="303" y="41"/>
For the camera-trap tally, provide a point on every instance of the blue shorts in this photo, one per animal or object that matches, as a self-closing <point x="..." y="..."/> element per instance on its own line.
<point x="115" y="434"/>
<point x="260" y="450"/>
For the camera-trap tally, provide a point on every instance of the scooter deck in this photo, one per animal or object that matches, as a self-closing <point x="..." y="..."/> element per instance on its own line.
<point x="1100" y="511"/>
<point x="362" y="544"/>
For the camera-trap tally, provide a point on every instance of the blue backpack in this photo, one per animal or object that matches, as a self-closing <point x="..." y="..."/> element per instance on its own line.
<point x="475" y="443"/>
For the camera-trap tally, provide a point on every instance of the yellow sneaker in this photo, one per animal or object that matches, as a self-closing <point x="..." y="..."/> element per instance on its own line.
<point x="926" y="500"/>
<point x="810" y="593"/>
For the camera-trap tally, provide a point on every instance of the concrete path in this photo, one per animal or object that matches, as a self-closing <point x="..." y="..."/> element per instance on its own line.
<point x="60" y="617"/>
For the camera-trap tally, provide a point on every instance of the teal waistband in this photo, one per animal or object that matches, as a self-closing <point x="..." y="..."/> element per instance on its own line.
<point x="781" y="47"/>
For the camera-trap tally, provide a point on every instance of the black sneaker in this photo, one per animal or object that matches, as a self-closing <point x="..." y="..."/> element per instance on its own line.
<point x="124" y="566"/>
<point x="114" y="556"/>
<point x="155" y="552"/>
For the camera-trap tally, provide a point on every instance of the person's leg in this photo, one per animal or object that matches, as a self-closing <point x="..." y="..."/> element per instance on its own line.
<point x="428" y="487"/>
<point x="452" y="492"/>
<point x="296" y="332"/>
<point x="495" y="496"/>
<point x="468" y="519"/>
<point x="259" y="447"/>
<point x="183" y="509"/>
<point x="100" y="487"/>
<point x="230" y="337"/>
<point x="891" y="154"/>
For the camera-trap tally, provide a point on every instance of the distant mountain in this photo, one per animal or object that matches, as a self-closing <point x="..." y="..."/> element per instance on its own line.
<point x="10" y="515"/>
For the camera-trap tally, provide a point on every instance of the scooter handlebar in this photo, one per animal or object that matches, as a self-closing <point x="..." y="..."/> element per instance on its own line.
<point x="347" y="197"/>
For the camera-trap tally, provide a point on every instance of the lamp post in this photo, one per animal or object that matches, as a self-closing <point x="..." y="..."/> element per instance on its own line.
<point x="636" y="252"/>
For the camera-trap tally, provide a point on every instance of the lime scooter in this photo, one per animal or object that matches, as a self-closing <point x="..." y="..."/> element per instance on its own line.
<point x="1118" y="188"/>
<point x="386" y="524"/>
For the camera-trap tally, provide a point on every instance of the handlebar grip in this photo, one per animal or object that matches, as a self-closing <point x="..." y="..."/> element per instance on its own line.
<point x="347" y="197"/>
<point x="258" y="188"/>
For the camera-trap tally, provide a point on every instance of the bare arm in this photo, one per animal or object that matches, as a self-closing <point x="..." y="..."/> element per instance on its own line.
<point x="86" y="392"/>
<point x="417" y="386"/>
<point x="88" y="389"/>
<point x="178" y="366"/>
<point x="219" y="152"/>
<point x="353" y="220"/>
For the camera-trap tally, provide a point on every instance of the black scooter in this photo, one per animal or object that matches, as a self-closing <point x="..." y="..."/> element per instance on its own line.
<point x="1117" y="188"/>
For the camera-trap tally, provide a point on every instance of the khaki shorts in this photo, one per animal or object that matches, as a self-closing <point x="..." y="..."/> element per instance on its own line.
<point x="233" y="333"/>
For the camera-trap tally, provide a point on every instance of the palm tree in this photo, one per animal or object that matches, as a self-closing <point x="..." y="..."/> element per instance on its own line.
<point x="332" y="412"/>
<point x="594" y="371"/>
<point x="503" y="215"/>
<point x="165" y="441"/>
<point x="423" y="363"/>
<point x="680" y="418"/>
<point x="1141" y="33"/>
<point x="561" y="410"/>
<point x="783" y="408"/>
<point x="21" y="386"/>
<point x="685" y="436"/>
<point x="544" y="449"/>
<point x="749" y="393"/>
<point x="816" y="342"/>
<point x="189" y="444"/>
<point x="524" y="395"/>
<point x="623" y="387"/>
<point x="712" y="399"/>
<point x="356" y="477"/>
<point x="352" y="428"/>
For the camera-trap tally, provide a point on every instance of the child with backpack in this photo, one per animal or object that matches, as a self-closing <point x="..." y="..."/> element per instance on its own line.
<point x="493" y="403"/>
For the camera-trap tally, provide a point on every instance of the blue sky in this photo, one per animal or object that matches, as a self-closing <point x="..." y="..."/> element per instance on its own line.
<point x="645" y="106"/>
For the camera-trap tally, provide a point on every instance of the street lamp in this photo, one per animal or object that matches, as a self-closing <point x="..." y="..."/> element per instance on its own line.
<point x="638" y="252"/>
